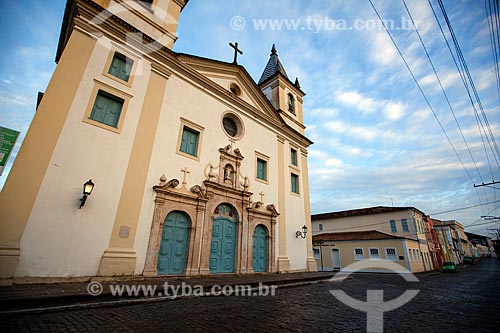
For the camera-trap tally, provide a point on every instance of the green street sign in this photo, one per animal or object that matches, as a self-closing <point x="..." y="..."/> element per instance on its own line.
<point x="8" y="139"/>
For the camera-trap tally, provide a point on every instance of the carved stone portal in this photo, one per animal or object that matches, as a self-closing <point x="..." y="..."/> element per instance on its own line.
<point x="226" y="186"/>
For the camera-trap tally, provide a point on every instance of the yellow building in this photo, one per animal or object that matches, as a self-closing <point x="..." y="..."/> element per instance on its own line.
<point x="337" y="250"/>
<point x="197" y="168"/>
<point x="403" y="222"/>
<point x="453" y="241"/>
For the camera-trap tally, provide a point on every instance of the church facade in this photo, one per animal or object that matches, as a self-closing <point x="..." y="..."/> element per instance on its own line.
<point x="197" y="169"/>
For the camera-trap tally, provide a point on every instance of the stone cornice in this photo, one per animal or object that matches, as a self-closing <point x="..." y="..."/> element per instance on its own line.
<point x="181" y="3"/>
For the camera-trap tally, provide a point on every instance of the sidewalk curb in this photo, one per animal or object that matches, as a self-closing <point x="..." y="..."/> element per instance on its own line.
<point x="151" y="299"/>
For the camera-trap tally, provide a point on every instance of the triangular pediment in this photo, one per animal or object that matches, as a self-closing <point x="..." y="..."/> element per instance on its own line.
<point x="236" y="82"/>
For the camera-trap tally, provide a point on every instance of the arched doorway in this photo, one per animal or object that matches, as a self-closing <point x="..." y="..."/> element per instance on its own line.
<point x="223" y="245"/>
<point x="174" y="244"/>
<point x="260" y="249"/>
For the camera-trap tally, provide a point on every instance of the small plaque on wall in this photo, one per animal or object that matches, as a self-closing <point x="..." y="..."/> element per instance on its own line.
<point x="124" y="232"/>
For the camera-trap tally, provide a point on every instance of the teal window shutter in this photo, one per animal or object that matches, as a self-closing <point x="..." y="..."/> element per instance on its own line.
<point x="261" y="169"/>
<point x="189" y="141"/>
<point x="107" y="109"/>
<point x="393" y="226"/>
<point x="293" y="154"/>
<point x="121" y="67"/>
<point x="295" y="183"/>
<point x="404" y="224"/>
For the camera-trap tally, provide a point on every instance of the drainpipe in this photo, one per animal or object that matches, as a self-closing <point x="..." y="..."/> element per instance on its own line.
<point x="321" y="253"/>
<point x="406" y="255"/>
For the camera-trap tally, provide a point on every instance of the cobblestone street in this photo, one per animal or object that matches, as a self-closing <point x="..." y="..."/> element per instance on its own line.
<point x="467" y="301"/>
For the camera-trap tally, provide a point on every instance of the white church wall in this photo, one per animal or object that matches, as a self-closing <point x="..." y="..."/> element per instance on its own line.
<point x="294" y="214"/>
<point x="183" y="99"/>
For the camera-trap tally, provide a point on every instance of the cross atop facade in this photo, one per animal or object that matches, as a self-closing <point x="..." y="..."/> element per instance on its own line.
<point x="186" y="172"/>
<point x="236" y="51"/>
<point x="262" y="195"/>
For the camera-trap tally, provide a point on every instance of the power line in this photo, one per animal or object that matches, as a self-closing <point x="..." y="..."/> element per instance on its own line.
<point x="493" y="28"/>
<point x="444" y="91"/>
<point x="423" y="94"/>
<point x="462" y="76"/>
<point x="479" y="219"/>
<point x="463" y="208"/>
<point x="471" y="82"/>
<point x="476" y="225"/>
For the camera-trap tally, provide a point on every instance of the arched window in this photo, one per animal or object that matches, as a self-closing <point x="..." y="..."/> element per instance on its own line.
<point x="291" y="103"/>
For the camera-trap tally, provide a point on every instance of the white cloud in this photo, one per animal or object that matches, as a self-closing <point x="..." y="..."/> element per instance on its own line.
<point x="382" y="50"/>
<point x="355" y="99"/>
<point x="394" y="111"/>
<point x="360" y="132"/>
<point x="14" y="99"/>
<point x="323" y="112"/>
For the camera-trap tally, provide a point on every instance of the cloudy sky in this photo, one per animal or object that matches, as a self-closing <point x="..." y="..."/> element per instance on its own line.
<point x="376" y="141"/>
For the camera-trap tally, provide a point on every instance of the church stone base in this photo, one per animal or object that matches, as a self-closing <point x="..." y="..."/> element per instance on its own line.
<point x="283" y="265"/>
<point x="117" y="262"/>
<point x="312" y="265"/>
<point x="9" y="257"/>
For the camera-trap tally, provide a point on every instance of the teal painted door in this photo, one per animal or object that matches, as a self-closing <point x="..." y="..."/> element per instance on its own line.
<point x="223" y="246"/>
<point x="174" y="244"/>
<point x="260" y="249"/>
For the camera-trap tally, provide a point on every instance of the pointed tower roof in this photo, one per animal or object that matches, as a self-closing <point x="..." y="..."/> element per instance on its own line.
<point x="273" y="66"/>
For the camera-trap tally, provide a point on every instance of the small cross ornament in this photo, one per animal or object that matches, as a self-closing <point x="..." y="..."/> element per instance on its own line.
<point x="186" y="172"/>
<point x="236" y="51"/>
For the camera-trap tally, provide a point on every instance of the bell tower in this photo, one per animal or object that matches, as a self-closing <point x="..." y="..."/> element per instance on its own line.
<point x="156" y="19"/>
<point x="284" y="95"/>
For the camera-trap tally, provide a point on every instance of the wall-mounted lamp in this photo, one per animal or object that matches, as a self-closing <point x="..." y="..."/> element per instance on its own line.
<point x="301" y="233"/>
<point x="87" y="190"/>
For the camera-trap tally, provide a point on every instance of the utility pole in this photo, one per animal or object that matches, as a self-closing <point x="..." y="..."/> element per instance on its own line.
<point x="489" y="217"/>
<point x="497" y="232"/>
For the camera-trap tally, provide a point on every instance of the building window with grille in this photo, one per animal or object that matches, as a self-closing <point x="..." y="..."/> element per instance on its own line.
<point x="320" y="227"/>
<point x="390" y="254"/>
<point x="359" y="254"/>
<point x="374" y="254"/>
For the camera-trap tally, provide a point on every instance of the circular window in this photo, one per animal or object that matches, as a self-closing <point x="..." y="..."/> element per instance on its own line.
<point x="232" y="125"/>
<point x="235" y="89"/>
